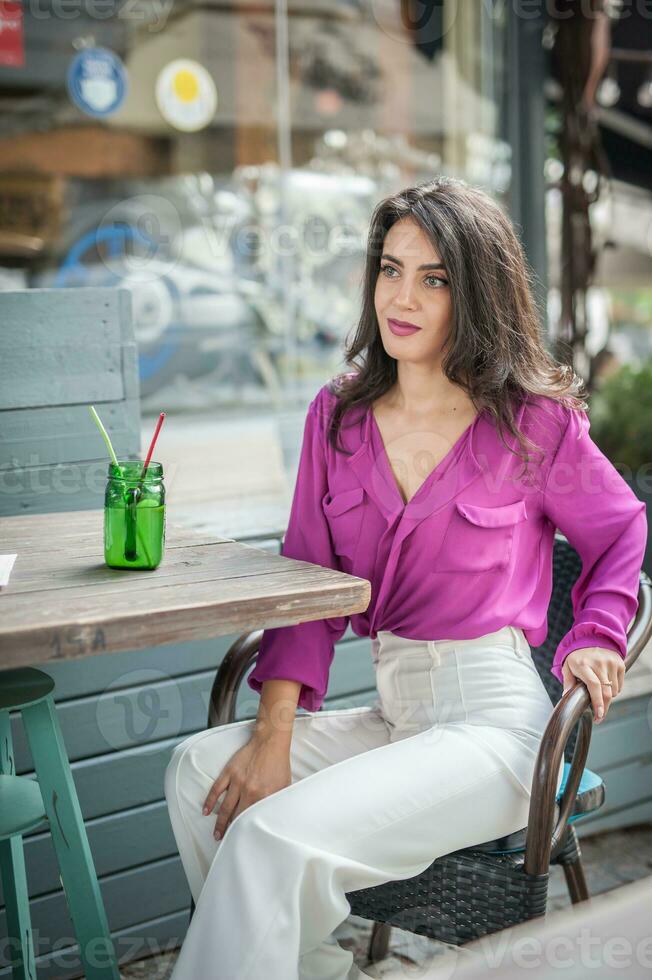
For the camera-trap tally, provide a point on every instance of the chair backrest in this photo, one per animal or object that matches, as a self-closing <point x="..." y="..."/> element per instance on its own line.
<point x="566" y="568"/>
<point x="62" y="350"/>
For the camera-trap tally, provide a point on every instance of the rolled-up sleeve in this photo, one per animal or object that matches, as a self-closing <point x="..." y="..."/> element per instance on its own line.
<point x="589" y="501"/>
<point x="304" y="652"/>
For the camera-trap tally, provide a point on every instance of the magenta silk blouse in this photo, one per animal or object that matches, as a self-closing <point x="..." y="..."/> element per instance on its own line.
<point x="471" y="552"/>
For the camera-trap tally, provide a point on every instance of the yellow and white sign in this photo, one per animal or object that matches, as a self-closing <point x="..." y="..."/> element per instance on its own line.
<point x="186" y="95"/>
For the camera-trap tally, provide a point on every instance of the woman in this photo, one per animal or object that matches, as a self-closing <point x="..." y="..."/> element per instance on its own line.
<point x="430" y="493"/>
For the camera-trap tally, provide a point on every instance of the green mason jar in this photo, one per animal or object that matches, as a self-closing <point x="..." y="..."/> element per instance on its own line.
<point x="134" y="515"/>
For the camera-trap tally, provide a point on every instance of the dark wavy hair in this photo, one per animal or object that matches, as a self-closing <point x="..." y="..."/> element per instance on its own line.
<point x="495" y="350"/>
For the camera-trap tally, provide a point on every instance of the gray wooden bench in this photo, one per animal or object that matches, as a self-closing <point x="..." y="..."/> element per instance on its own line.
<point x="60" y="351"/>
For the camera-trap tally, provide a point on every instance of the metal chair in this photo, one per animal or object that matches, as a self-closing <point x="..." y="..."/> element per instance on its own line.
<point x="487" y="887"/>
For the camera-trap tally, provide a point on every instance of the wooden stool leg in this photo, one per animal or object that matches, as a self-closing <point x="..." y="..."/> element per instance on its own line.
<point x="19" y="927"/>
<point x="70" y="841"/>
<point x="14" y="879"/>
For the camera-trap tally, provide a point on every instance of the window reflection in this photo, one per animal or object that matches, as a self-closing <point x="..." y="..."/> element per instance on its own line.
<point x="241" y="243"/>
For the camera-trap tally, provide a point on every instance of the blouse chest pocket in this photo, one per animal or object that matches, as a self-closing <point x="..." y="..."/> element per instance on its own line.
<point x="344" y="512"/>
<point x="479" y="538"/>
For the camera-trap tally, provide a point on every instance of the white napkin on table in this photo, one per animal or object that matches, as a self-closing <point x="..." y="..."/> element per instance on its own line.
<point x="6" y="564"/>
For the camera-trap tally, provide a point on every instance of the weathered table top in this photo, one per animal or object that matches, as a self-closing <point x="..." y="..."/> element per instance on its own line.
<point x="63" y="602"/>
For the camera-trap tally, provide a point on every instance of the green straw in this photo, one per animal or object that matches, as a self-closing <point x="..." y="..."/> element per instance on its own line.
<point x="105" y="436"/>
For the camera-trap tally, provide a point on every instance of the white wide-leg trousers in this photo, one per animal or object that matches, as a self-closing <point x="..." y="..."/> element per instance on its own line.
<point x="442" y="760"/>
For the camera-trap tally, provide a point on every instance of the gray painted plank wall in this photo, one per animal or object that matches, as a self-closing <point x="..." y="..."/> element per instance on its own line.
<point x="60" y="351"/>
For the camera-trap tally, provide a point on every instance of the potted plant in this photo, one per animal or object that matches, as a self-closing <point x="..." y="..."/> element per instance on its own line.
<point x="621" y="426"/>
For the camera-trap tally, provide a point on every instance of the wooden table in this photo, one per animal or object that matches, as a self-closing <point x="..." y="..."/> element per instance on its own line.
<point x="63" y="602"/>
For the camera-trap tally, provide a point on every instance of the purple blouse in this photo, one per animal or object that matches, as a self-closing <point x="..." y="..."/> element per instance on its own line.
<point x="471" y="552"/>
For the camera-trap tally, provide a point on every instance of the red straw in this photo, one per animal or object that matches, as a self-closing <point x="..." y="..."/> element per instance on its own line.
<point x="152" y="444"/>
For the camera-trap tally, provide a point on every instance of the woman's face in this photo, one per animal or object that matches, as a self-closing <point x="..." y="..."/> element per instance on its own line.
<point x="412" y="287"/>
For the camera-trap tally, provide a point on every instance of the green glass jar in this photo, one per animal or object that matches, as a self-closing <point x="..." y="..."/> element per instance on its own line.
<point x="134" y="515"/>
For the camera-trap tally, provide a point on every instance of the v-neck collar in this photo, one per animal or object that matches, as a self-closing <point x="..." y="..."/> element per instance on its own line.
<point x="375" y="438"/>
<point x="371" y="467"/>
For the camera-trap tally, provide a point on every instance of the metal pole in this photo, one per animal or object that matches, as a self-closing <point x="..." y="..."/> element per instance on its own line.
<point x="526" y="127"/>
<point x="284" y="140"/>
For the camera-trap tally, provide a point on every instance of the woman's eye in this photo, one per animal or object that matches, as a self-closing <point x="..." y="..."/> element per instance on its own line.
<point x="433" y="281"/>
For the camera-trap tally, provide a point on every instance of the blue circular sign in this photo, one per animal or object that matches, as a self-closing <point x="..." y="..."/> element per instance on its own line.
<point x="97" y="81"/>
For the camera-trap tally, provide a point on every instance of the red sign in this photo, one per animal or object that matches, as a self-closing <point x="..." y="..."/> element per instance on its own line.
<point x="12" y="44"/>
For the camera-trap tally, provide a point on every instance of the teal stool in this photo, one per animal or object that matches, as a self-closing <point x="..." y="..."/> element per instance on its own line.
<point x="24" y="804"/>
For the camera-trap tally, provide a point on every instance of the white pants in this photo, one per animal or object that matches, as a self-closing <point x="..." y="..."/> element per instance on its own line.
<point x="442" y="760"/>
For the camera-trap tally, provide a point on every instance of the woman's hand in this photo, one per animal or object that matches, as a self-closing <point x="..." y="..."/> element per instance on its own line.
<point x="597" y="668"/>
<point x="258" y="769"/>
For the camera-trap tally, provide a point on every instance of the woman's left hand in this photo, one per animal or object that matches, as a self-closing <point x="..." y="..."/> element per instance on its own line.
<point x="597" y="668"/>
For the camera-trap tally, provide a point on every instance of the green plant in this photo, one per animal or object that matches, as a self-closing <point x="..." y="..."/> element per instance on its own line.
<point x="621" y="417"/>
